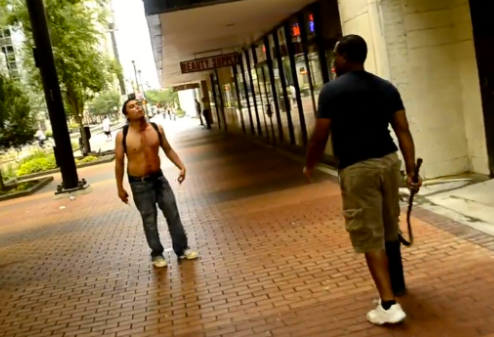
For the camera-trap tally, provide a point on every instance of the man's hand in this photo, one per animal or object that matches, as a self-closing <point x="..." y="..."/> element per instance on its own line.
<point x="123" y="195"/>
<point x="414" y="184"/>
<point x="308" y="173"/>
<point x="181" y="176"/>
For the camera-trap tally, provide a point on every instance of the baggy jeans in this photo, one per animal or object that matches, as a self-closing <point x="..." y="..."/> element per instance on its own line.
<point x="152" y="190"/>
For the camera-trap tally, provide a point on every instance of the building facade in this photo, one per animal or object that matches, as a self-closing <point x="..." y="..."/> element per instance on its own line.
<point x="433" y="51"/>
<point x="8" y="47"/>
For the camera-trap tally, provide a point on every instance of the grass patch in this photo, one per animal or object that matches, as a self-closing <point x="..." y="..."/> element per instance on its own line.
<point x="85" y="160"/>
<point x="18" y="187"/>
<point x="37" y="164"/>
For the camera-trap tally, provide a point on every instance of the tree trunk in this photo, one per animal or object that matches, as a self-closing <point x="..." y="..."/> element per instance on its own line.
<point x="85" y="141"/>
<point x="2" y="184"/>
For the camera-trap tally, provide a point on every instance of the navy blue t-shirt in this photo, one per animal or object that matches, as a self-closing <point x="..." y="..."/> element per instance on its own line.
<point x="360" y="106"/>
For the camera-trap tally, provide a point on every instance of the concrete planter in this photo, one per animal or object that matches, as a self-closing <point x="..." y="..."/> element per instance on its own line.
<point x="42" y="182"/>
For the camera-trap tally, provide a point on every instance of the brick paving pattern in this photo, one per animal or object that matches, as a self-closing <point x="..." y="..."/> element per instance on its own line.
<point x="275" y="259"/>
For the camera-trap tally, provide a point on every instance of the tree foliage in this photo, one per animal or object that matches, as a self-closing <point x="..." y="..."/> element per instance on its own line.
<point x="105" y="103"/>
<point x="162" y="97"/>
<point x="76" y="30"/>
<point x="17" y="123"/>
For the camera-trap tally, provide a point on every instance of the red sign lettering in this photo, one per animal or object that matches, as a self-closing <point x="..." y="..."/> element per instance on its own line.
<point x="209" y="63"/>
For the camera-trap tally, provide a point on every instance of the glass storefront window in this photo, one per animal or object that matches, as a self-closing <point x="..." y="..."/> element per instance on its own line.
<point x="269" y="102"/>
<point x="264" y="91"/>
<point x="247" y="59"/>
<point x="242" y="99"/>
<point x="220" y="103"/>
<point x="258" y="94"/>
<point x="285" y="60"/>
<point x="302" y="74"/>
<point x="228" y="97"/>
<point x="330" y="29"/>
<point x="233" y="114"/>
<point x="279" y="90"/>
<point x="314" y="67"/>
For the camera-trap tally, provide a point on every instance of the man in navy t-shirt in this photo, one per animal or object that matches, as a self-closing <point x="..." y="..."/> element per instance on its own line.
<point x="357" y="109"/>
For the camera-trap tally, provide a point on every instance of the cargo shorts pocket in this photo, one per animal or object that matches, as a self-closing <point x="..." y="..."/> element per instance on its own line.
<point x="360" y="234"/>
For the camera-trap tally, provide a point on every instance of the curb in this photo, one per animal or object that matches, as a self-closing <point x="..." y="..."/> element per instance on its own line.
<point x="42" y="183"/>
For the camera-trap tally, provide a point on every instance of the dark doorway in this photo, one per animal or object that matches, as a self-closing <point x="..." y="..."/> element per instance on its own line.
<point x="482" y="12"/>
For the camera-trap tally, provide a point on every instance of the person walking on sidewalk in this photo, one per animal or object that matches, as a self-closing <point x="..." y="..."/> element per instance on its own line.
<point x="357" y="108"/>
<point x="199" y="112"/>
<point x="141" y="141"/>
<point x="41" y="137"/>
<point x="107" y="128"/>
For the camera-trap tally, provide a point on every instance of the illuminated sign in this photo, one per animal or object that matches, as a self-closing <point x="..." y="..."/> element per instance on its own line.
<point x="208" y="63"/>
<point x="295" y="29"/>
<point x="186" y="87"/>
<point x="312" y="26"/>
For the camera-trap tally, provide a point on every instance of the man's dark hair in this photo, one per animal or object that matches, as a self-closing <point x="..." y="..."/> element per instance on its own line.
<point x="124" y="106"/>
<point x="353" y="48"/>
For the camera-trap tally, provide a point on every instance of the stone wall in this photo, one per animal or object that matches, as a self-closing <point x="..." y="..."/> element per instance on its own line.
<point x="426" y="49"/>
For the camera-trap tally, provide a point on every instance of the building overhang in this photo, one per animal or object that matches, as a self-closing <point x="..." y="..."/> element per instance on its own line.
<point x="211" y="30"/>
<point x="153" y="7"/>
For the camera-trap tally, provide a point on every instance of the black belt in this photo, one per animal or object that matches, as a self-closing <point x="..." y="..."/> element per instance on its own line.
<point x="410" y="206"/>
<point x="149" y="178"/>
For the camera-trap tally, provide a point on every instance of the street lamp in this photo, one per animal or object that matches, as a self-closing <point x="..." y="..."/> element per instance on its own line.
<point x="143" y="93"/>
<point x="135" y="73"/>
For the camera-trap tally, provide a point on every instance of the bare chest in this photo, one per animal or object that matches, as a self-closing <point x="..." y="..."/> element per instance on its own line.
<point x="146" y="141"/>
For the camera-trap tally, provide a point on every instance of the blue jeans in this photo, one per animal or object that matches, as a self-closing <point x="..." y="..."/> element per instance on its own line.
<point x="152" y="190"/>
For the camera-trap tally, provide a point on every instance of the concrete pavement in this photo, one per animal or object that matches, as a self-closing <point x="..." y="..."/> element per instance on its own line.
<point x="275" y="258"/>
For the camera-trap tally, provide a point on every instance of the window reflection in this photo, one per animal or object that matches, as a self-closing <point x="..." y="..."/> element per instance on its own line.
<point x="257" y="78"/>
<point x="314" y="68"/>
<point x="251" y="91"/>
<point x="279" y="91"/>
<point x="290" y="86"/>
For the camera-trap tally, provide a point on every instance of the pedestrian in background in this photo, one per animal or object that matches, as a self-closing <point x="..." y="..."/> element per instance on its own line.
<point x="41" y="137"/>
<point x="199" y="111"/>
<point x="107" y="128"/>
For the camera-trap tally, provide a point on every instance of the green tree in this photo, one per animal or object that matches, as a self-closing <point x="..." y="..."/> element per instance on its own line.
<point x="105" y="103"/>
<point x="75" y="29"/>
<point x="17" y="123"/>
<point x="163" y="97"/>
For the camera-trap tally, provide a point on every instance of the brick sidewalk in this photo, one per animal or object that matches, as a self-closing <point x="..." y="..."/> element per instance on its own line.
<point x="275" y="260"/>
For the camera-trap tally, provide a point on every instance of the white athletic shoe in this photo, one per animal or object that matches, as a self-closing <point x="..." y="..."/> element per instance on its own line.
<point x="189" y="254"/>
<point x="159" y="262"/>
<point x="379" y="316"/>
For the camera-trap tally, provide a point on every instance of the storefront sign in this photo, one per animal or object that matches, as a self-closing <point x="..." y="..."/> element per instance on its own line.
<point x="208" y="63"/>
<point x="186" y="87"/>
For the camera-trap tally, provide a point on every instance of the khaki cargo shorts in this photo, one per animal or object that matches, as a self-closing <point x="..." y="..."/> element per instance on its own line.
<point x="371" y="204"/>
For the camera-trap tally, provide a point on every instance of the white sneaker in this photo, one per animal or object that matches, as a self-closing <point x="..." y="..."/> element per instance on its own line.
<point x="189" y="254"/>
<point x="379" y="316"/>
<point x="159" y="262"/>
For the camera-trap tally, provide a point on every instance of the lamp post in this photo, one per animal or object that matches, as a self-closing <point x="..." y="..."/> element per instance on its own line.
<point x="135" y="73"/>
<point x="45" y="61"/>
<point x="143" y="93"/>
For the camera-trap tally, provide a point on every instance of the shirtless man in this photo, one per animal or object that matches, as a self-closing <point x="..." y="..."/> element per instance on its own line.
<point x="141" y="141"/>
